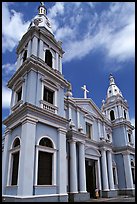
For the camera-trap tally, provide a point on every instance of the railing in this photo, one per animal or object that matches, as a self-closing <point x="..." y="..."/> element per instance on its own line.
<point x="49" y="107"/>
<point x="17" y="105"/>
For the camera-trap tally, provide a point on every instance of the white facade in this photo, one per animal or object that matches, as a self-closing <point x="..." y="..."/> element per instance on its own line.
<point x="56" y="147"/>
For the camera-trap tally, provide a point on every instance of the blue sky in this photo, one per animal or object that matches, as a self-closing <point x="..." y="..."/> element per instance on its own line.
<point x="98" y="39"/>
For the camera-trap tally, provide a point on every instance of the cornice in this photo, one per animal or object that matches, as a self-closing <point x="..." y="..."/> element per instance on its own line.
<point x="123" y="123"/>
<point x="39" y="33"/>
<point x="38" y="65"/>
<point x="118" y="150"/>
<point x="28" y="108"/>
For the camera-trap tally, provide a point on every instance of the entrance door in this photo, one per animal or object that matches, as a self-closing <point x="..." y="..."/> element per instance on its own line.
<point x="90" y="177"/>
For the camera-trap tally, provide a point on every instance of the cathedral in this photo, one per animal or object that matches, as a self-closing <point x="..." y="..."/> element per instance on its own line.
<point x="57" y="148"/>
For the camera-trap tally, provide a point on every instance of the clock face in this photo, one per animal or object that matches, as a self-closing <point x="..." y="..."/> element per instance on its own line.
<point x="40" y="20"/>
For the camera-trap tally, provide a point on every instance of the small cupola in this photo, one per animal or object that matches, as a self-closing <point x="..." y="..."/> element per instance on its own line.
<point x="41" y="20"/>
<point x="113" y="89"/>
<point x="42" y="9"/>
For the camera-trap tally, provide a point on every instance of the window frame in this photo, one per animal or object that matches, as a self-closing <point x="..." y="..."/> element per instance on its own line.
<point x="53" y="95"/>
<point x="48" y="50"/>
<point x="53" y="87"/>
<point x="48" y="150"/>
<point x="114" y="166"/>
<point x="113" y="115"/>
<point x="12" y="151"/>
<point x="91" y="129"/>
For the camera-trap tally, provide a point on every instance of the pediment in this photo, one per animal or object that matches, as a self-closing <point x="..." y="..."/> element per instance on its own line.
<point x="89" y="106"/>
<point x="92" y="152"/>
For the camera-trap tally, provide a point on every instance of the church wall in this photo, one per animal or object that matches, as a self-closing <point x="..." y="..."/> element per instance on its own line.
<point x="31" y="87"/>
<point x="74" y="117"/>
<point x="118" y="137"/>
<point x="60" y="102"/>
<point x="38" y="90"/>
<point x="120" y="171"/>
<point x="46" y="130"/>
<point x="95" y="129"/>
<point x="15" y="132"/>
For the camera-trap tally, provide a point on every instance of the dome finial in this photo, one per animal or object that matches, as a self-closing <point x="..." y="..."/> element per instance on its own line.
<point x="42" y="3"/>
<point x="111" y="79"/>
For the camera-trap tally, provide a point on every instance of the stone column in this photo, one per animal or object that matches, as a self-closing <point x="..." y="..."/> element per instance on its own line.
<point x="104" y="170"/>
<point x="82" y="171"/>
<point x="26" y="158"/>
<point x="18" y="62"/>
<point x="116" y="112"/>
<point x="99" y="175"/>
<point x="128" y="172"/>
<point x="120" y="111"/>
<point x="57" y="56"/>
<point x="62" y="182"/>
<point x="35" y="46"/>
<point x="110" y="172"/>
<point x="60" y="64"/>
<point x="73" y="167"/>
<point x="41" y="50"/>
<point x="12" y="101"/>
<point x="5" y="160"/>
<point x="29" y="49"/>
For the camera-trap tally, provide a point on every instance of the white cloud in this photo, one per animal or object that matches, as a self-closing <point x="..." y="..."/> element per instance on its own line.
<point x="14" y="29"/>
<point x="112" y="30"/>
<point x="6" y="97"/>
<point x="7" y="68"/>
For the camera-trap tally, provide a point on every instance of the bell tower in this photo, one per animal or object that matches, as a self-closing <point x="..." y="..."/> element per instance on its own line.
<point x="39" y="67"/>
<point x="36" y="127"/>
<point x="116" y="109"/>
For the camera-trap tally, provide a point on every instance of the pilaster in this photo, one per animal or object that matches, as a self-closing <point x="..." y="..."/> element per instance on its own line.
<point x="62" y="161"/>
<point x="82" y="171"/>
<point x="73" y="167"/>
<point x="104" y="170"/>
<point x="5" y="160"/>
<point x="29" y="49"/>
<point x="110" y="172"/>
<point x="35" y="46"/>
<point x="26" y="160"/>
<point x="128" y="173"/>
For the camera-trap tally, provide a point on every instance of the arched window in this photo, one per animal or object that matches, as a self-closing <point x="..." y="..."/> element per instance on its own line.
<point x="25" y="55"/>
<point x="15" y="161"/>
<point x="125" y="115"/>
<point x="45" y="157"/>
<point x="112" y="115"/>
<point x="133" y="171"/>
<point x="46" y="142"/>
<point x="48" y="58"/>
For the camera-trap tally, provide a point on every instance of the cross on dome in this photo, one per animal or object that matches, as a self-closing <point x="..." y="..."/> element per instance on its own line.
<point x="85" y="91"/>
